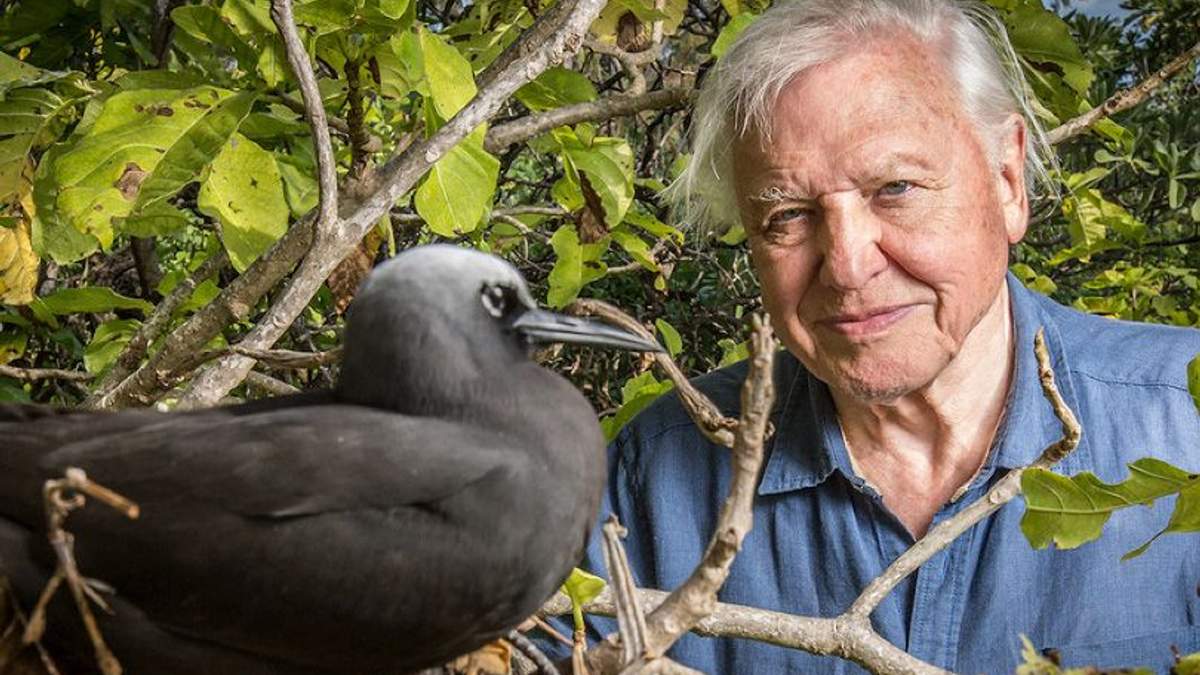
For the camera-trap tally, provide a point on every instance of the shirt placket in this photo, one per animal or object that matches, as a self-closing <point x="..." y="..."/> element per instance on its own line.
<point x="938" y="598"/>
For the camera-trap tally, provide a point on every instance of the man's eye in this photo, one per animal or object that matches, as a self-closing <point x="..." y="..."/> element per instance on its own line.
<point x="786" y="215"/>
<point x="895" y="188"/>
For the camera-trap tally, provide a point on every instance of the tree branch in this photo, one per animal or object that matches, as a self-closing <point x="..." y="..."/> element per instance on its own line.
<point x="502" y="136"/>
<point x="153" y="328"/>
<point x="696" y="598"/>
<point x="715" y="426"/>
<point x="35" y="374"/>
<point x="811" y="634"/>
<point x="565" y="25"/>
<point x="1122" y="100"/>
<point x="314" y="112"/>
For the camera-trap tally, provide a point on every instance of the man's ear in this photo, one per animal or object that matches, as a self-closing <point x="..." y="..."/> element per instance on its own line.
<point x="1010" y="180"/>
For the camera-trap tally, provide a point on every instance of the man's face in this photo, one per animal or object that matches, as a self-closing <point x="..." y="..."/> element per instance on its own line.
<point x="878" y="224"/>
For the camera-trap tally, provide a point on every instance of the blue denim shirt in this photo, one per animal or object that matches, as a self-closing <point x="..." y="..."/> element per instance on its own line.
<point x="821" y="533"/>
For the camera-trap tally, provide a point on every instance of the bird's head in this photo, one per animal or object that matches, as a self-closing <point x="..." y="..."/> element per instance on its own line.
<point x="451" y="314"/>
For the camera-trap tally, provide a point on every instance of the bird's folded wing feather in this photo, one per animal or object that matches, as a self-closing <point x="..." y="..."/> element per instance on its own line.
<point x="289" y="462"/>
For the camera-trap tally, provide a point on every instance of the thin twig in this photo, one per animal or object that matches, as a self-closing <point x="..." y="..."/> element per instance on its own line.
<point x="530" y="650"/>
<point x="715" y="426"/>
<point x="520" y="130"/>
<point x="811" y="634"/>
<point x="631" y="622"/>
<point x="61" y="496"/>
<point x="1123" y="99"/>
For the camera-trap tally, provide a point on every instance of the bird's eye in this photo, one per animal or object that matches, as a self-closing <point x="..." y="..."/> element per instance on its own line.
<point x="497" y="299"/>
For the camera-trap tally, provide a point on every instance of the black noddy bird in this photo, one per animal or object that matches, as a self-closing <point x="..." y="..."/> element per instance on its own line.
<point x="423" y="507"/>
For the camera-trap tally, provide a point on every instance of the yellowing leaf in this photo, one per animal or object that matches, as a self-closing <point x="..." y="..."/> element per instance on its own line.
<point x="18" y="265"/>
<point x="244" y="192"/>
<point x="457" y="192"/>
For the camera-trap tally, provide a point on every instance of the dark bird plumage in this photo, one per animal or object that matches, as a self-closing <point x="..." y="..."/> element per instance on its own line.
<point x="426" y="505"/>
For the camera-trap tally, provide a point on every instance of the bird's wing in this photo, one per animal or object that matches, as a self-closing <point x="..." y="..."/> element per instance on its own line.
<point x="288" y="462"/>
<point x="335" y="526"/>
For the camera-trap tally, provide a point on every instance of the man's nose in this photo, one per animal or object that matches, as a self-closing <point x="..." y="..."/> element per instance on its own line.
<point x="850" y="237"/>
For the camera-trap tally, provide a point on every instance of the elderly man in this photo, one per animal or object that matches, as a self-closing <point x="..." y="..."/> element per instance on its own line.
<point x="880" y="156"/>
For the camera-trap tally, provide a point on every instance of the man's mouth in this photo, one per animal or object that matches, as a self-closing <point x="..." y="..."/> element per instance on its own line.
<point x="866" y="323"/>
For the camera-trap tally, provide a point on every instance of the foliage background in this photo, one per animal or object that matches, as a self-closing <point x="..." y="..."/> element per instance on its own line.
<point x="139" y="139"/>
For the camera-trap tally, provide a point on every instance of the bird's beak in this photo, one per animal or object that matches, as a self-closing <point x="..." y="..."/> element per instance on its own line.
<point x="540" y="326"/>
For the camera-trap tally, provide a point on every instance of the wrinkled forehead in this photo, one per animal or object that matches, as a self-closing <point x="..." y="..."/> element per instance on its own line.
<point x="885" y="78"/>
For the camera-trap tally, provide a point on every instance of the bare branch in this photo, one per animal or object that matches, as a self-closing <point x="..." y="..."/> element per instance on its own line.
<point x="153" y="328"/>
<point x="35" y="374"/>
<point x="286" y="358"/>
<point x="715" y="426"/>
<point x="502" y="136"/>
<point x="337" y="124"/>
<point x="1124" y="99"/>
<point x="811" y="634"/>
<point x="269" y="385"/>
<point x="696" y="598"/>
<point x="314" y="111"/>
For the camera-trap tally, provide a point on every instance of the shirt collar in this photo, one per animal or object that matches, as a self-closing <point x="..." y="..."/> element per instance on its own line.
<point x="808" y="445"/>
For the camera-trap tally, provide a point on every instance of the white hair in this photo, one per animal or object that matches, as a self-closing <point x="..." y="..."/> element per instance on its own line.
<point x="740" y="92"/>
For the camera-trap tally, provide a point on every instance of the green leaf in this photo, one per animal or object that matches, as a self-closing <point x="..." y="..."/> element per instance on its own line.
<point x="1042" y="37"/>
<point x="184" y="159"/>
<point x="637" y="393"/>
<point x="566" y="278"/>
<point x="100" y="179"/>
<point x="1193" y="379"/>
<point x="457" y="192"/>
<point x="670" y="337"/>
<point x="30" y="118"/>
<point x="16" y="70"/>
<point x="732" y="352"/>
<point x="107" y="342"/>
<point x="555" y="88"/>
<point x="206" y="24"/>
<point x="12" y="344"/>
<point x="636" y="247"/>
<point x="1072" y="511"/>
<point x="730" y="32"/>
<point x="393" y="9"/>
<point x="608" y="163"/>
<point x="581" y="587"/>
<point x="244" y="192"/>
<point x="1089" y="216"/>
<point x="575" y="266"/>
<point x="1187" y="665"/>
<point x="89" y="300"/>
<point x="50" y="235"/>
<point x="447" y="74"/>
